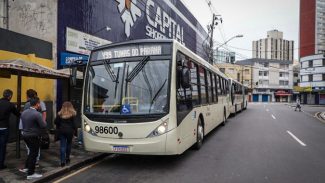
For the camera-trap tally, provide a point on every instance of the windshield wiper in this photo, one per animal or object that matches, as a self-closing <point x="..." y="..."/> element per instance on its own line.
<point x="110" y="71"/>
<point x="117" y="82"/>
<point x="137" y="69"/>
<point x="156" y="95"/>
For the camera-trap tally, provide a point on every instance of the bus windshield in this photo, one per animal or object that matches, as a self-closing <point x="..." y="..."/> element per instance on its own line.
<point x="127" y="87"/>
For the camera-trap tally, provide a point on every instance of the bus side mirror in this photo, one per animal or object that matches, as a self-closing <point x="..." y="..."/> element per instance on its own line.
<point x="186" y="78"/>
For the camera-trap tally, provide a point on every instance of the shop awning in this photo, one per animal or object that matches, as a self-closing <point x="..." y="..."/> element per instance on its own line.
<point x="29" y="69"/>
<point x="282" y="94"/>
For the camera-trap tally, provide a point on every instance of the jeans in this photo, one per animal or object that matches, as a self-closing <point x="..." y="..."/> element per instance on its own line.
<point x="4" y="135"/>
<point x="65" y="147"/>
<point x="33" y="143"/>
<point x="38" y="155"/>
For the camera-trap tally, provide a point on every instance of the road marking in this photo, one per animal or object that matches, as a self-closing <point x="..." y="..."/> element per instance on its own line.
<point x="79" y="171"/>
<point x="273" y="116"/>
<point x="296" y="138"/>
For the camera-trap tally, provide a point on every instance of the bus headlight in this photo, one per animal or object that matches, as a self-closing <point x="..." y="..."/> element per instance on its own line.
<point x="88" y="129"/>
<point x="161" y="129"/>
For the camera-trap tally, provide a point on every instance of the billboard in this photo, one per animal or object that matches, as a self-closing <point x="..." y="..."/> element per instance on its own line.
<point x="130" y="20"/>
<point x="80" y="42"/>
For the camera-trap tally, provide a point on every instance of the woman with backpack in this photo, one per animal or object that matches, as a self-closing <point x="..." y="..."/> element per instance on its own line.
<point x="66" y="128"/>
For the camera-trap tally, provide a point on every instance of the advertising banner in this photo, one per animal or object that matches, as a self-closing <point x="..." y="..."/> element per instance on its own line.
<point x="129" y="20"/>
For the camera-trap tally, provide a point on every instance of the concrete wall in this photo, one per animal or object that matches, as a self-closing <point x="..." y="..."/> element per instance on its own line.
<point x="35" y="18"/>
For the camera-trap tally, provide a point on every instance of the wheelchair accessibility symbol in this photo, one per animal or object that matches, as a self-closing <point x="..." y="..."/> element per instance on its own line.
<point x="126" y="109"/>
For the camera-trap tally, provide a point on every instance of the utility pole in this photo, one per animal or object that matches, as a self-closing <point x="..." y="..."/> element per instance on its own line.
<point x="211" y="39"/>
<point x="215" y="19"/>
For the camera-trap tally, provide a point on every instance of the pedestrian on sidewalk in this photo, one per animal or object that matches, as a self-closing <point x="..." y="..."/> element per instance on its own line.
<point x="66" y="128"/>
<point x="33" y="125"/>
<point x="30" y="93"/>
<point x="6" y="108"/>
<point x="298" y="105"/>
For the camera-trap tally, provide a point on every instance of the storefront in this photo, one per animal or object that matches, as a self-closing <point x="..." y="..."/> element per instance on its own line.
<point x="282" y="96"/>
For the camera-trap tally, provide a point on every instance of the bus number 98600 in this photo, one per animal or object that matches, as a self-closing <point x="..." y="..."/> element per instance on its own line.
<point x="106" y="130"/>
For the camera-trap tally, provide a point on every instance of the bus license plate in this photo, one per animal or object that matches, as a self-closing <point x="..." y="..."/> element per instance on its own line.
<point x="121" y="149"/>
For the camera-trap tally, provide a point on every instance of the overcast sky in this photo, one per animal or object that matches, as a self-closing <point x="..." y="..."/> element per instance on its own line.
<point x="252" y="18"/>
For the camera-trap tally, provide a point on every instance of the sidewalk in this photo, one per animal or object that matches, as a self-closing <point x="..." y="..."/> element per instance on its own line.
<point x="49" y="162"/>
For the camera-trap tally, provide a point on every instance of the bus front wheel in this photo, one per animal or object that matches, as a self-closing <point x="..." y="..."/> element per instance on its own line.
<point x="199" y="134"/>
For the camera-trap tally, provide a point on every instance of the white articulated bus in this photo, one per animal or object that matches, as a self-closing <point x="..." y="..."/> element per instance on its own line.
<point x="151" y="97"/>
<point x="238" y="96"/>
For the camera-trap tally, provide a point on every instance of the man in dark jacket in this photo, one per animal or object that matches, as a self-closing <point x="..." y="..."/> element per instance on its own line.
<point x="6" y="108"/>
<point x="33" y="125"/>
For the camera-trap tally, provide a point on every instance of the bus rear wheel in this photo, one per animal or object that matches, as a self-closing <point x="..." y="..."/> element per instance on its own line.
<point x="199" y="134"/>
<point x="224" y="119"/>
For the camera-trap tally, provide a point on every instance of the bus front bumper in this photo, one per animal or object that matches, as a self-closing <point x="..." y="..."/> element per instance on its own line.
<point x="145" y="146"/>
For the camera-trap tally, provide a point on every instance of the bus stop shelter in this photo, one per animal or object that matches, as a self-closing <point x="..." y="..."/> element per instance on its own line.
<point x="24" y="68"/>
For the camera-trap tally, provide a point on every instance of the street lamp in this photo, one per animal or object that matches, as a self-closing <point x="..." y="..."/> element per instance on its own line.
<point x="106" y="28"/>
<point x="237" y="36"/>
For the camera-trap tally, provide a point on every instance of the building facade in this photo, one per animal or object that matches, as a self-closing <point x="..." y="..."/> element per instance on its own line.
<point x="241" y="73"/>
<point x="312" y="75"/>
<point x="273" y="47"/>
<point x="272" y="79"/>
<point x="312" y="27"/>
<point x="223" y="56"/>
<point x="312" y="50"/>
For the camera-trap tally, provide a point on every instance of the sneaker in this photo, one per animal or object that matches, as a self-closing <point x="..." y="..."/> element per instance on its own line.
<point x="24" y="170"/>
<point x="34" y="176"/>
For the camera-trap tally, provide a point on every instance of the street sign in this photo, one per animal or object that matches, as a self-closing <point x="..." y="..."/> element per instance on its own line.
<point x="67" y="59"/>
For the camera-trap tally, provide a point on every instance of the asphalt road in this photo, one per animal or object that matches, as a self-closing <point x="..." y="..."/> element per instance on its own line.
<point x="266" y="143"/>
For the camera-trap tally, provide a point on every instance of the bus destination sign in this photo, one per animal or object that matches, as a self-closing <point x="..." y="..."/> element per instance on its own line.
<point x="130" y="51"/>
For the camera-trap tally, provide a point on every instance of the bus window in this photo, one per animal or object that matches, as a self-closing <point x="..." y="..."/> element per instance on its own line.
<point x="208" y="86"/>
<point x="195" y="84"/>
<point x="218" y="84"/>
<point x="184" y="95"/>
<point x="227" y="87"/>
<point x="221" y="85"/>
<point x="212" y="87"/>
<point x="202" y="85"/>
<point x="215" y="86"/>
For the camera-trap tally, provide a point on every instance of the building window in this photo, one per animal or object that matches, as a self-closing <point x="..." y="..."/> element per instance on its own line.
<point x="323" y="77"/>
<point x="324" y="62"/>
<point x="310" y="63"/>
<point x="260" y="73"/>
<point x="281" y="74"/>
<point x="295" y="74"/>
<point x="266" y="64"/>
<point x="283" y="83"/>
<point x="246" y="71"/>
<point x="310" y="77"/>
